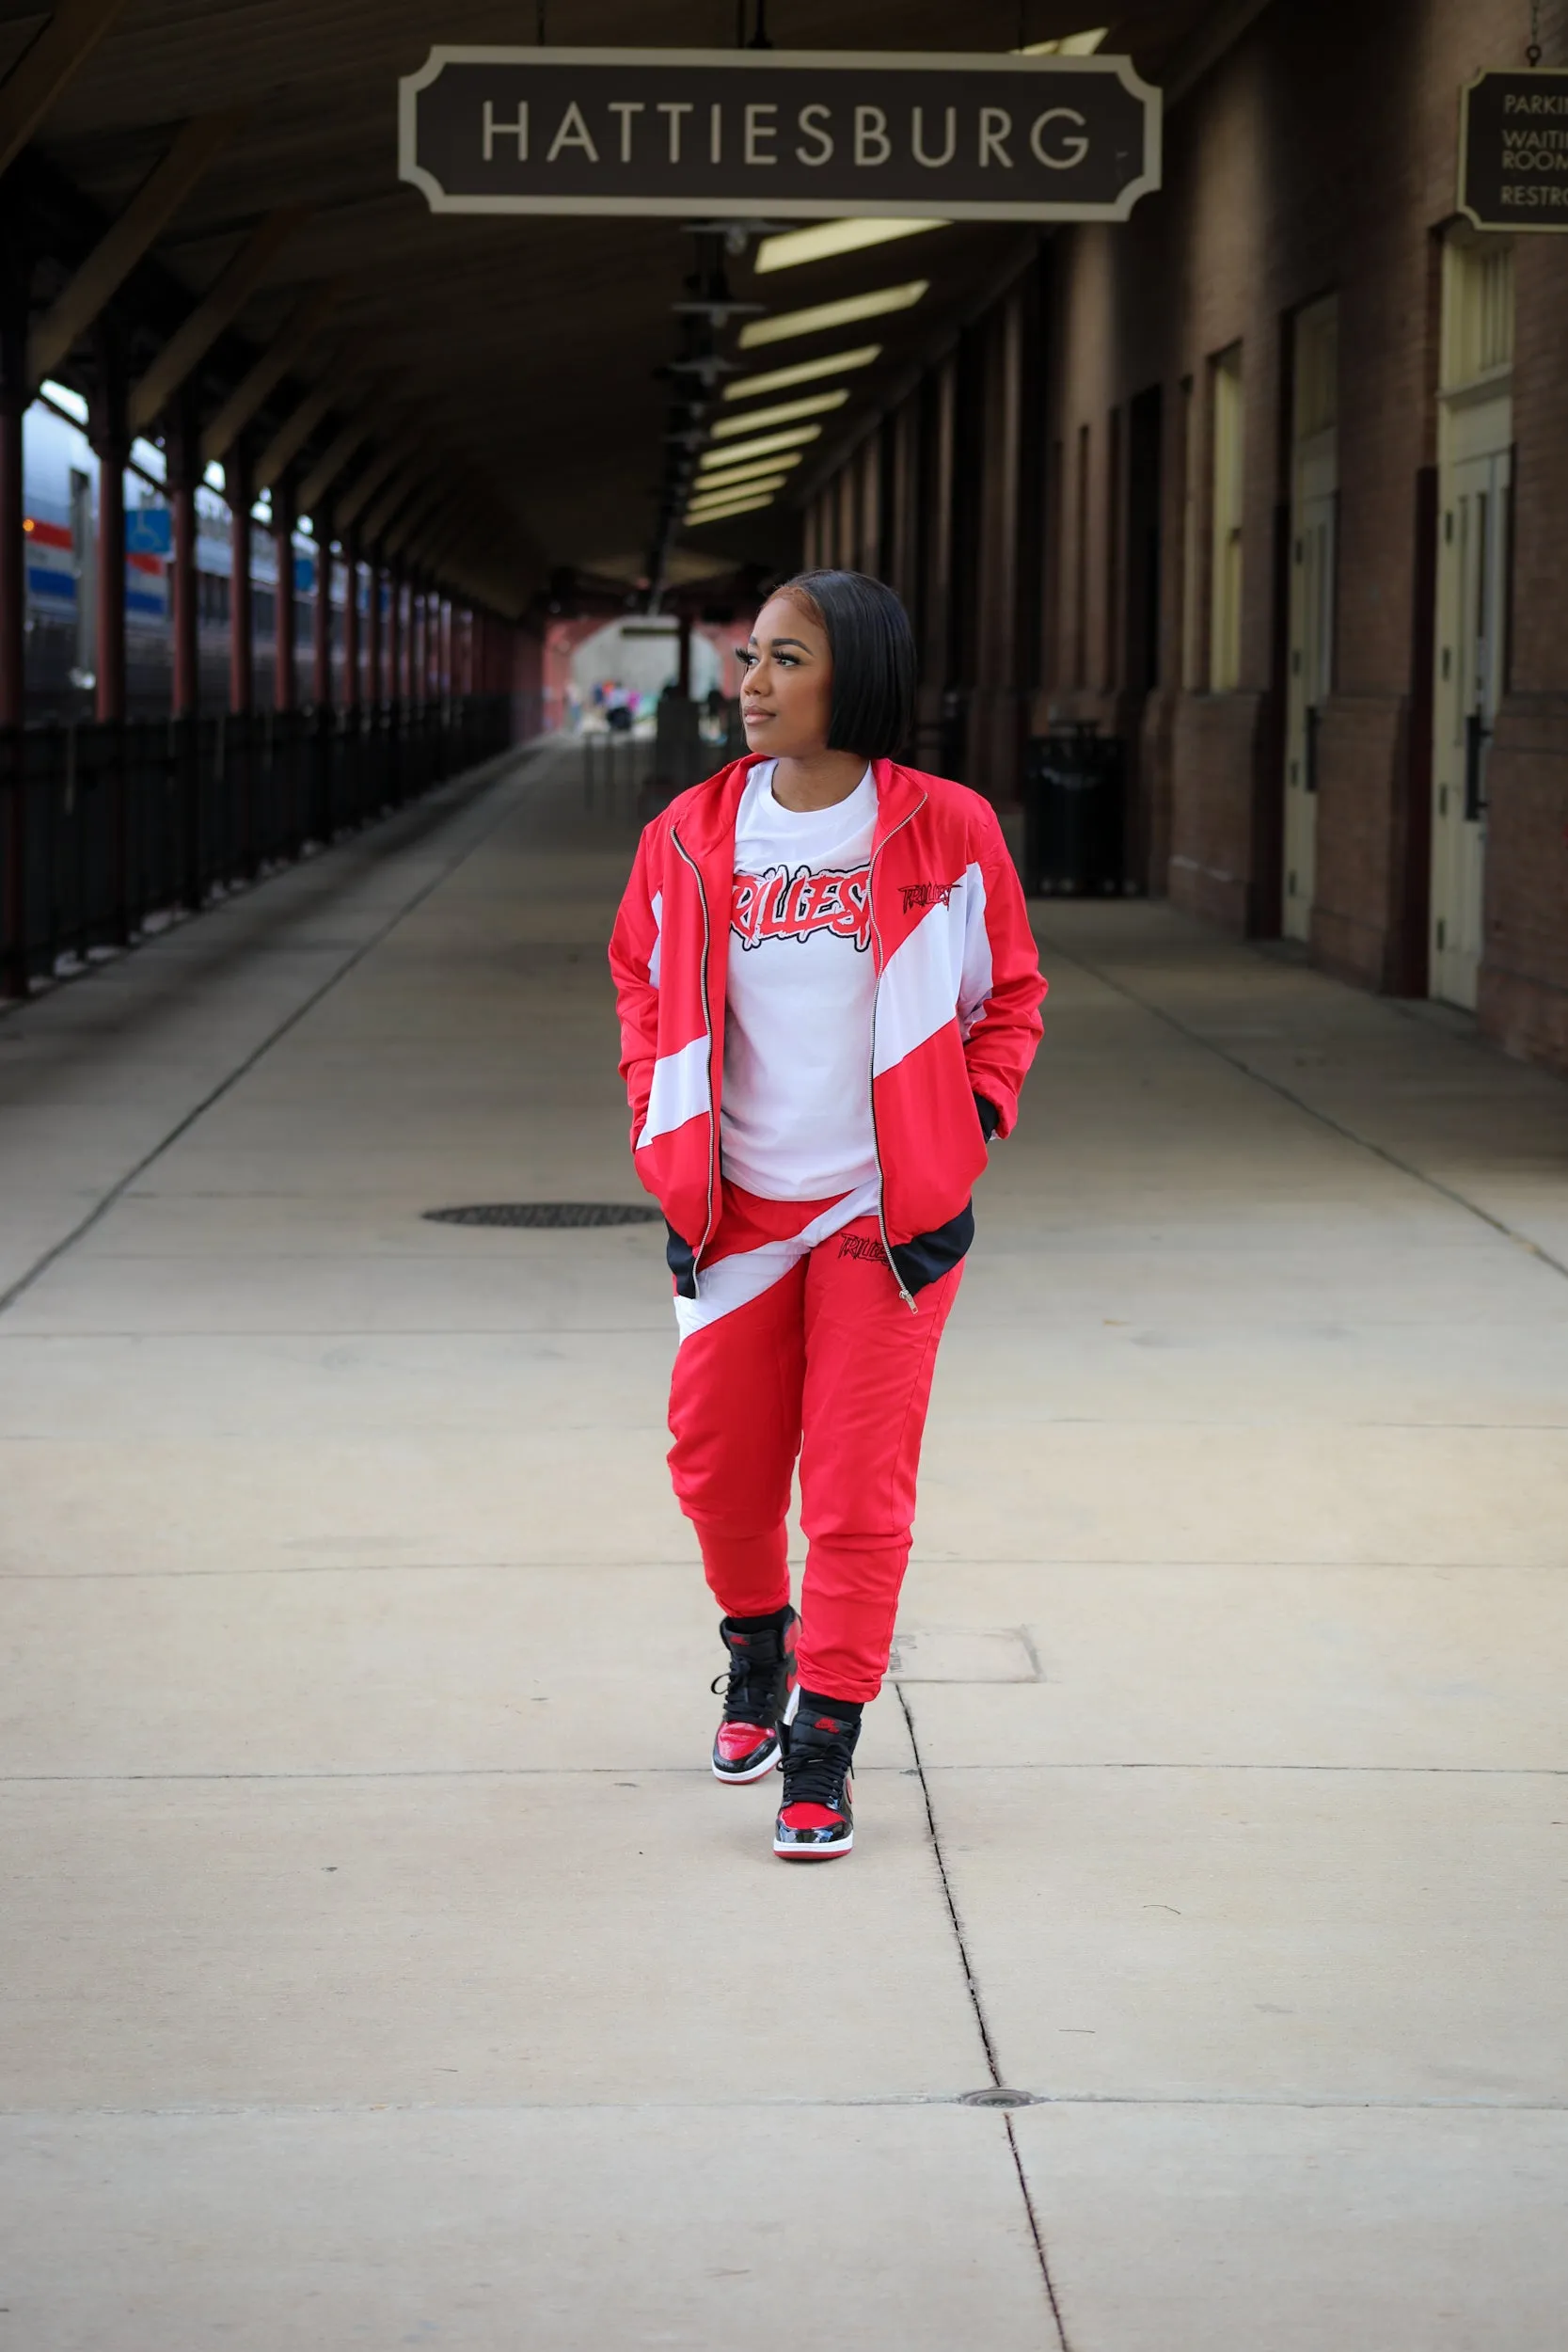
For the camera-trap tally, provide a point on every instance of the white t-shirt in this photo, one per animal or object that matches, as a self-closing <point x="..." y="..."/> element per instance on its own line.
<point x="794" y="1122"/>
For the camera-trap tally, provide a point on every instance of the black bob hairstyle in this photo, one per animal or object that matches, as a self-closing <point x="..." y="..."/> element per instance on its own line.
<point x="872" y="645"/>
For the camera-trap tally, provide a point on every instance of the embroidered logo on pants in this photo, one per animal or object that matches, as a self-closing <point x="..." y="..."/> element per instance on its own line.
<point x="861" y="1246"/>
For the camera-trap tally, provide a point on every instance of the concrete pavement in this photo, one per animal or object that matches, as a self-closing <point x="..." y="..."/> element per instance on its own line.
<point x="381" y="1963"/>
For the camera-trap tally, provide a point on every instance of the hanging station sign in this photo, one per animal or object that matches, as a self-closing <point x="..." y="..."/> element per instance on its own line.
<point x="1513" y="149"/>
<point x="781" y="133"/>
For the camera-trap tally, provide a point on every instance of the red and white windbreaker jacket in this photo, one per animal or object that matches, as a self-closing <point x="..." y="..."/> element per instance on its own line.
<point x="956" y="1016"/>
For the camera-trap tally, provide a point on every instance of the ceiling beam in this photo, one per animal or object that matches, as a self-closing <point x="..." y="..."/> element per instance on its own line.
<point x="293" y="338"/>
<point x="190" y="343"/>
<point x="337" y="452"/>
<point x="111" y="262"/>
<point x="363" y="488"/>
<point x="49" y="63"/>
<point x="416" y="507"/>
<point x="435" y="543"/>
<point x="297" y="427"/>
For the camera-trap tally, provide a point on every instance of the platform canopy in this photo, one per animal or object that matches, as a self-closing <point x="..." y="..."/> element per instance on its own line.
<point x="211" y="212"/>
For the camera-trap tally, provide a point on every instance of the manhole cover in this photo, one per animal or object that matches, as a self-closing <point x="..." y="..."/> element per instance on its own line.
<point x="997" y="2095"/>
<point x="547" y="1212"/>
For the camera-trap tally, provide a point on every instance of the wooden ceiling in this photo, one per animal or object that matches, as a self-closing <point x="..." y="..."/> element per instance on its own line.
<point x="522" y="351"/>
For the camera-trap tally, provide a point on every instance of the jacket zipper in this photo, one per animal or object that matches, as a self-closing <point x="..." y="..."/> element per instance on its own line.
<point x="707" y="1025"/>
<point x="904" y="1291"/>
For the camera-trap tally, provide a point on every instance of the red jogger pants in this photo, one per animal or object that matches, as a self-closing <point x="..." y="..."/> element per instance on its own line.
<point x="803" y="1348"/>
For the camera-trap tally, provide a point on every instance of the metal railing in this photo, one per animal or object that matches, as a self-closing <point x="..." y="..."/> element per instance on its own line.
<point x="121" y="823"/>
<point x="637" y="771"/>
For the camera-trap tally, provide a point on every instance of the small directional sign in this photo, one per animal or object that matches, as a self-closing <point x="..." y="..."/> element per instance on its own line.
<point x="148" y="531"/>
<point x="1513" y="149"/>
<point x="779" y="133"/>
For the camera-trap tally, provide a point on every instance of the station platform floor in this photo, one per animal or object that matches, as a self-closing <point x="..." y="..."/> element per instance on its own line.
<point x="381" y="1963"/>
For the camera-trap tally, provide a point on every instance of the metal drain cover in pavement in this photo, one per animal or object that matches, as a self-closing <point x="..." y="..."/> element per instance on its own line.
<point x="553" y="1213"/>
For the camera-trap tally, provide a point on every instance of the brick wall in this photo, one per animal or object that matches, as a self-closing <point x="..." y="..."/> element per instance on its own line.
<point x="1318" y="157"/>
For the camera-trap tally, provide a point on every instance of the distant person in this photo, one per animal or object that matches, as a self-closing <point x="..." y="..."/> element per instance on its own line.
<point x="828" y="1000"/>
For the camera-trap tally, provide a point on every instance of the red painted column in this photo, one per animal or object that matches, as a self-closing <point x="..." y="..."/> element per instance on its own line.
<point x="109" y="437"/>
<point x="352" y="694"/>
<point x="182" y="471"/>
<point x="239" y="489"/>
<point x="322" y="745"/>
<point x="13" y="651"/>
<point x="111" y="446"/>
<point x="321" y="633"/>
<point x="394" y="633"/>
<point x="285" y="692"/>
<point x="289" y="784"/>
<point x="376" y="682"/>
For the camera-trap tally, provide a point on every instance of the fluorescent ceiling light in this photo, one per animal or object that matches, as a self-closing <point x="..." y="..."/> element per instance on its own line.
<point x="1069" y="46"/>
<point x="733" y="475"/>
<point x="825" y="314"/>
<point x="765" y="448"/>
<point x="771" y="483"/>
<point x="828" y="237"/>
<point x="720" y="514"/>
<point x="803" y="372"/>
<point x="785" y="413"/>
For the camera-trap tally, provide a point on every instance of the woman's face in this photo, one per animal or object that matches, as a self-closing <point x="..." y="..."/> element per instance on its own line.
<point x="787" y="694"/>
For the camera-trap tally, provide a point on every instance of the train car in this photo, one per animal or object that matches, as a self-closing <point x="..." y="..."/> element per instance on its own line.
<point x="60" y="495"/>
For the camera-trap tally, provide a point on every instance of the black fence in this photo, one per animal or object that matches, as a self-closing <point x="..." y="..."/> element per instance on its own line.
<point x="639" y="770"/>
<point x="119" y="824"/>
<point x="1075" y="814"/>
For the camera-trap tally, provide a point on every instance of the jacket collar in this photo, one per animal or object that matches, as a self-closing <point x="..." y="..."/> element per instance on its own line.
<point x="704" y="818"/>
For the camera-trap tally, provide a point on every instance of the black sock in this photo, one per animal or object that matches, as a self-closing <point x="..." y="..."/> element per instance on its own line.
<point x="775" y="1624"/>
<point x="847" y="1711"/>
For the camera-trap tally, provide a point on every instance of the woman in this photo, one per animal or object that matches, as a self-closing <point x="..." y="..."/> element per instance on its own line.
<point x="829" y="999"/>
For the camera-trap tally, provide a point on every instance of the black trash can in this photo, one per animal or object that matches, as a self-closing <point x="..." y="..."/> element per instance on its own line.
<point x="1074" y="814"/>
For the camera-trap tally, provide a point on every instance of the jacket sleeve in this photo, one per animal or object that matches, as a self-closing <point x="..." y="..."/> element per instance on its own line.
<point x="634" y="945"/>
<point x="999" y="1003"/>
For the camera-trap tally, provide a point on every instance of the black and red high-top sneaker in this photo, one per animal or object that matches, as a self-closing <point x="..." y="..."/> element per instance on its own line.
<point x="816" y="1821"/>
<point x="760" y="1693"/>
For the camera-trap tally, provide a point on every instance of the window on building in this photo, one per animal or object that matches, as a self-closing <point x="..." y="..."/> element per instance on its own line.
<point x="1225" y="579"/>
<point x="1478" y="310"/>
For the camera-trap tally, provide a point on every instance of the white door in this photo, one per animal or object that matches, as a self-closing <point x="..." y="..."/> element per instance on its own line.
<point x="1472" y="602"/>
<point x="1313" y="500"/>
